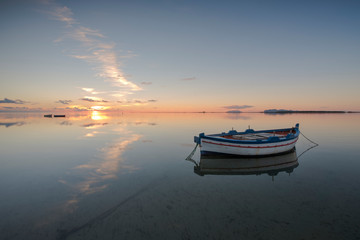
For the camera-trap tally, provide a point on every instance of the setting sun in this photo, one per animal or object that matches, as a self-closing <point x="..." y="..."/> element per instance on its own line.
<point x="96" y="115"/>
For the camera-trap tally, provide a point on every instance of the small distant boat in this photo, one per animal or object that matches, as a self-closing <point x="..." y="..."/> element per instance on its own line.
<point x="59" y="115"/>
<point x="225" y="165"/>
<point x="48" y="115"/>
<point x="249" y="143"/>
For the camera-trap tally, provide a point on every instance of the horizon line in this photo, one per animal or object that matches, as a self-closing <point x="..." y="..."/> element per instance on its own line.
<point x="203" y="112"/>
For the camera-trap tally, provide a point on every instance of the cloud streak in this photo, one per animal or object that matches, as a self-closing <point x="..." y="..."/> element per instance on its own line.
<point x="63" y="14"/>
<point x="146" y="83"/>
<point x="188" y="79"/>
<point x="64" y="101"/>
<point x="20" y="109"/>
<point x="238" y="106"/>
<point x="17" y="101"/>
<point x="137" y="101"/>
<point x="93" y="50"/>
<point x="93" y="99"/>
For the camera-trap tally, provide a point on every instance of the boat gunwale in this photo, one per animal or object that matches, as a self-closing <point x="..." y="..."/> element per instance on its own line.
<point x="271" y="139"/>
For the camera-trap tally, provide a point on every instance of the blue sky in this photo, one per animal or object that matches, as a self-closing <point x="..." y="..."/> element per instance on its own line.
<point x="180" y="55"/>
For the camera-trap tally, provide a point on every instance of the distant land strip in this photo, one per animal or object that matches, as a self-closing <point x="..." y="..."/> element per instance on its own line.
<point x="281" y="111"/>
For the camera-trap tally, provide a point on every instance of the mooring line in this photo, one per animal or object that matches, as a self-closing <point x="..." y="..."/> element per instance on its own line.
<point x="189" y="158"/>
<point x="309" y="139"/>
<point x="306" y="151"/>
<point x="315" y="145"/>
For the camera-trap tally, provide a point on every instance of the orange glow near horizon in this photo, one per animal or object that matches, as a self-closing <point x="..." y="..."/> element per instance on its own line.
<point x="96" y="115"/>
<point x="99" y="108"/>
<point x="185" y="106"/>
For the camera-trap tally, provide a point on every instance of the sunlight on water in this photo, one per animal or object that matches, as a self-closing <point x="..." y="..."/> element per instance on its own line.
<point x="124" y="176"/>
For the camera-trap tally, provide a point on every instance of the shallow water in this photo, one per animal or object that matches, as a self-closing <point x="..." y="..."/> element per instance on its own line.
<point x="96" y="176"/>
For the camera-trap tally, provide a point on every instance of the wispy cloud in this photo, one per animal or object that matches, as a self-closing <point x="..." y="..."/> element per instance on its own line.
<point x="188" y="79"/>
<point x="93" y="99"/>
<point x="94" y="49"/>
<point x="20" y="109"/>
<point x="63" y="14"/>
<point x="88" y="89"/>
<point x="137" y="101"/>
<point x="17" y="101"/>
<point x="238" y="106"/>
<point x="77" y="108"/>
<point x="92" y="91"/>
<point x="64" y="101"/>
<point x="146" y="83"/>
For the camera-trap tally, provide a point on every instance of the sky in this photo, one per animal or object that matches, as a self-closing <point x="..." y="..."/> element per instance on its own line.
<point x="175" y="56"/>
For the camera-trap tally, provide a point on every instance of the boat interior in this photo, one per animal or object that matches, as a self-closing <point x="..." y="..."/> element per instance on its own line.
<point x="258" y="135"/>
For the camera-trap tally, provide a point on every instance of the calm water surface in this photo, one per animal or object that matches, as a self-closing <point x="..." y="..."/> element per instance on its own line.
<point x="124" y="176"/>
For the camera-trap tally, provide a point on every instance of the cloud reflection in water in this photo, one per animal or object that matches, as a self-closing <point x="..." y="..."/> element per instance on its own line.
<point x="93" y="177"/>
<point x="11" y="124"/>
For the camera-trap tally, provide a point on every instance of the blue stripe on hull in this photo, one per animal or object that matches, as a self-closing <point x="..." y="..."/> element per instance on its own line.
<point x="209" y="153"/>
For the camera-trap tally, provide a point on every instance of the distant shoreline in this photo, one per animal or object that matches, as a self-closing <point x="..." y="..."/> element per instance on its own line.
<point x="290" y="111"/>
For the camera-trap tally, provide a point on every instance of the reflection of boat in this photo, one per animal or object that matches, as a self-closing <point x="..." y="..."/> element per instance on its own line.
<point x="247" y="166"/>
<point x="48" y="115"/>
<point x="249" y="143"/>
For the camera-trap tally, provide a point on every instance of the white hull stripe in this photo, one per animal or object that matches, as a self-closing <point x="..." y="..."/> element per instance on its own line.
<point x="229" y="145"/>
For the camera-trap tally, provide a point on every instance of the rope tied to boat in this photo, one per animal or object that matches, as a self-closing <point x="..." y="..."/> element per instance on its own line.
<point x="189" y="158"/>
<point x="315" y="145"/>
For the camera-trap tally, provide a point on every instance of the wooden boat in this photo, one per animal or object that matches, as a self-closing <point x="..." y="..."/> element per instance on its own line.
<point x="59" y="115"/>
<point x="249" y="143"/>
<point x="225" y="165"/>
<point x="48" y="115"/>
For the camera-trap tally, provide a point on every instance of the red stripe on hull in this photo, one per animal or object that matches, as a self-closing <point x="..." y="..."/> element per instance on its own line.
<point x="228" y="145"/>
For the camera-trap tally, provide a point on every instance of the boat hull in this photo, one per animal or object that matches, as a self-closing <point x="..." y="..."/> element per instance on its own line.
<point x="210" y="146"/>
<point x="249" y="143"/>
